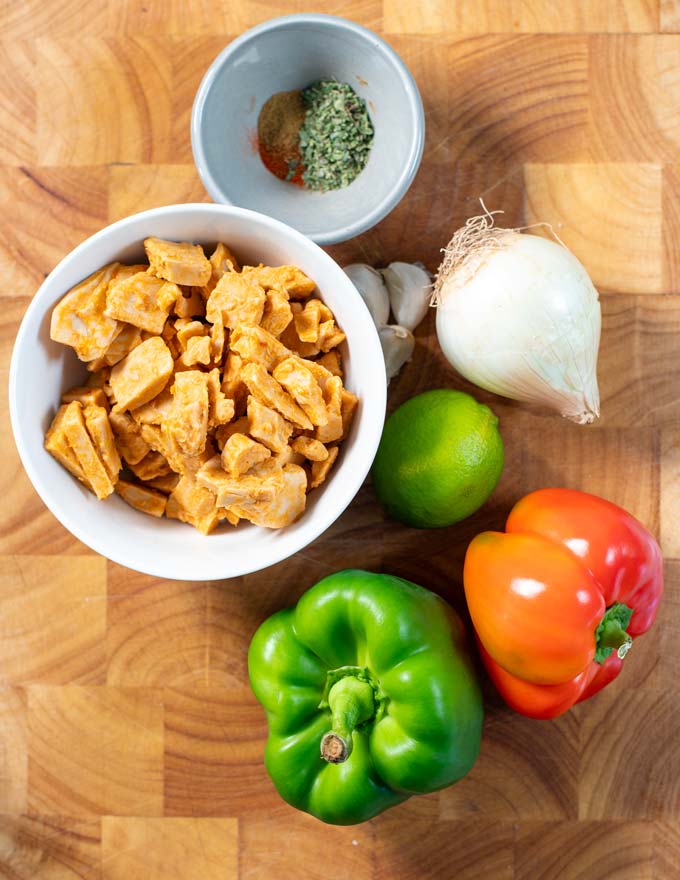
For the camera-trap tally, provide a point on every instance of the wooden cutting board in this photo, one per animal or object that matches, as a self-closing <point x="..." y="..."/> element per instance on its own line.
<point x="130" y="744"/>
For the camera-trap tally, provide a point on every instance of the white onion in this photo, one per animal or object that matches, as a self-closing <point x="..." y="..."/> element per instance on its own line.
<point x="518" y="315"/>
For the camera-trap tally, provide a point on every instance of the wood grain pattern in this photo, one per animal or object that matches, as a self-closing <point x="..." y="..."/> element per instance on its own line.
<point x="134" y="188"/>
<point x="522" y="16"/>
<point x="54" y="620"/>
<point x="130" y="743"/>
<point x="539" y="851"/>
<point x="634" y="91"/>
<point x="669" y="16"/>
<point x="95" y="751"/>
<point x="614" y="219"/>
<point x="52" y="848"/>
<point x="169" y="849"/>
<point x="78" y="85"/>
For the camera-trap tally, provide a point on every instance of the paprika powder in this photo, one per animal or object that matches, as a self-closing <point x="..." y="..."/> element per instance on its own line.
<point x="278" y="135"/>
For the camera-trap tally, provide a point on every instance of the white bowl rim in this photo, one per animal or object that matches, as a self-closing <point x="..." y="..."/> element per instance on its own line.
<point x="346" y="491"/>
<point x="396" y="194"/>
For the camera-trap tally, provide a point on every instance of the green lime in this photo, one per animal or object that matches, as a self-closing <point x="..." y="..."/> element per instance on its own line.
<point x="439" y="459"/>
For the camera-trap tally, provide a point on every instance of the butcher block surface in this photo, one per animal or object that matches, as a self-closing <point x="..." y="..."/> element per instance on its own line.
<point x="130" y="743"/>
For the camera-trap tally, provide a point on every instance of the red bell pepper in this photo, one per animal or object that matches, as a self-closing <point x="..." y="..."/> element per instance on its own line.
<point x="557" y="599"/>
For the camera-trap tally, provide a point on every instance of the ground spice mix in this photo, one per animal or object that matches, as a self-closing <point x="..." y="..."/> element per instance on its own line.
<point x="278" y="133"/>
<point x="319" y="137"/>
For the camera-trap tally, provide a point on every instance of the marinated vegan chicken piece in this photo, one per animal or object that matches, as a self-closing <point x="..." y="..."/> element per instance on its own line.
<point x="291" y="338"/>
<point x="331" y="361"/>
<point x="329" y="336"/>
<point x="222" y="261"/>
<point x="333" y="429"/>
<point x="179" y="262"/>
<point x="152" y="466"/>
<point x="198" y="351"/>
<point x="86" y="396"/>
<point x="268" y="391"/>
<point x="202" y="403"/>
<point x="141" y="375"/>
<point x="75" y="430"/>
<point x="190" y="303"/>
<point x="286" y="506"/>
<point x="308" y="320"/>
<point x="320" y="469"/>
<point x="310" y="448"/>
<point x="164" y="484"/>
<point x="195" y="504"/>
<point x="187" y="423"/>
<point x="268" y="426"/>
<point x="220" y="408"/>
<point x="79" y="319"/>
<point x="142" y="498"/>
<point x="277" y="313"/>
<point x="292" y="375"/>
<point x="155" y="411"/>
<point x="272" y="498"/>
<point x="241" y="453"/>
<point x="187" y="329"/>
<point x="289" y="278"/>
<point x="167" y="296"/>
<point x="348" y="405"/>
<point x="179" y="461"/>
<point x="217" y="340"/>
<point x="56" y="443"/>
<point x="235" y="301"/>
<point x="129" y="440"/>
<point x="128" y="338"/>
<point x="99" y="428"/>
<point x="255" y="345"/>
<point x="233" y="385"/>
<point x="134" y="300"/>
<point x="224" y="432"/>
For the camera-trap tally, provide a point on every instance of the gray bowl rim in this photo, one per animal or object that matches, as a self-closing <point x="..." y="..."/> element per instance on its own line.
<point x="403" y="183"/>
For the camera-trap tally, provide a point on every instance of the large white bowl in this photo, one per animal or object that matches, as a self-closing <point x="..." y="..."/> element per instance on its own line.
<point x="290" y="53"/>
<point x="42" y="369"/>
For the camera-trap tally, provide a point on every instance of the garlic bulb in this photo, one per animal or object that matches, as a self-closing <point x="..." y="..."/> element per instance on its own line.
<point x="518" y="315"/>
<point x="397" y="345"/>
<point x="370" y="285"/>
<point x="410" y="293"/>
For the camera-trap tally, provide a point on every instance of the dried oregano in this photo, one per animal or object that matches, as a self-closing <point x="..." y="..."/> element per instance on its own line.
<point x="336" y="136"/>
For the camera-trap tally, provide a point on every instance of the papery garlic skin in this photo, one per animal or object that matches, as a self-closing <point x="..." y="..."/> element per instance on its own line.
<point x="522" y="319"/>
<point x="370" y="285"/>
<point x="397" y="345"/>
<point x="410" y="290"/>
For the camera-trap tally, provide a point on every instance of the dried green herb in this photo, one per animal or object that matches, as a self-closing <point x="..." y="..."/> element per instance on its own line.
<point x="336" y="136"/>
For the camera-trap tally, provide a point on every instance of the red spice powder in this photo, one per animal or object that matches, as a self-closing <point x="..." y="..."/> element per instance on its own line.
<point x="280" y="166"/>
<point x="278" y="128"/>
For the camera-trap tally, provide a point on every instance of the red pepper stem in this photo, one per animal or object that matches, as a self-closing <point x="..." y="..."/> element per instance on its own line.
<point x="351" y="702"/>
<point x="611" y="634"/>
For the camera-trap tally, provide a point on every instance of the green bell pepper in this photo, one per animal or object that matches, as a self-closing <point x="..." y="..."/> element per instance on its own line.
<point x="369" y="693"/>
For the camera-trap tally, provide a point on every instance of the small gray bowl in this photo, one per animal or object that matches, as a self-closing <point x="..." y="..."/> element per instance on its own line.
<point x="290" y="53"/>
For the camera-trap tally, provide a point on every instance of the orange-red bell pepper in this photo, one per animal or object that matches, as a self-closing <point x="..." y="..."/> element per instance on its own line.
<point x="557" y="599"/>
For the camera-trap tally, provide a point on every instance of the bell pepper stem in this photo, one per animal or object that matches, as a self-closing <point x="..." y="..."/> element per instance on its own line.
<point x="611" y="634"/>
<point x="351" y="701"/>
